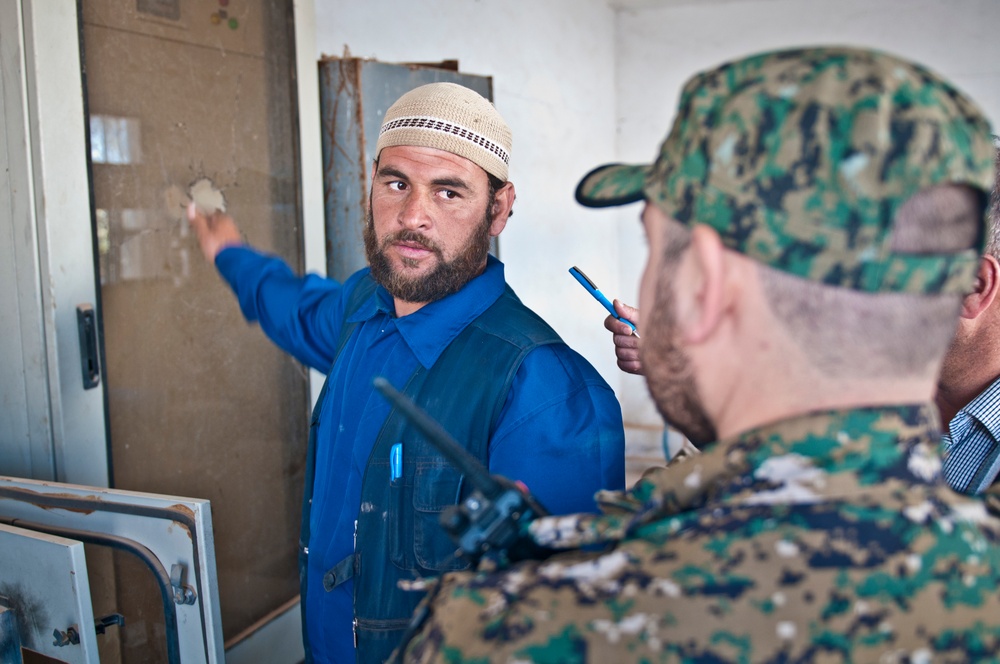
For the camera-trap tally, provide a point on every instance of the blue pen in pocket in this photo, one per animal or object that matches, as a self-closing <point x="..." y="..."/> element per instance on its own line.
<point x="396" y="462"/>
<point x="397" y="523"/>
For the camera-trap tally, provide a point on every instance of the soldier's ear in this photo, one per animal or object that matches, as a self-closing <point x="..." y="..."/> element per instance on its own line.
<point x="985" y="291"/>
<point x="708" y="273"/>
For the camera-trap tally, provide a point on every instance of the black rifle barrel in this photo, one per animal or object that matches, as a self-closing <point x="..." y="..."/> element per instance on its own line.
<point x="441" y="439"/>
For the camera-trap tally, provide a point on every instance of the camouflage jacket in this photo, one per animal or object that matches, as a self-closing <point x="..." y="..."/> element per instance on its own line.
<point x="827" y="537"/>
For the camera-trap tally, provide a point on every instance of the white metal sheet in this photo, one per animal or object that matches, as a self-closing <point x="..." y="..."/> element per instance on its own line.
<point x="44" y="578"/>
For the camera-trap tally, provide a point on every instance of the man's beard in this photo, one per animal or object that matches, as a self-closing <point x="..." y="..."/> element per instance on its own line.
<point x="668" y="368"/>
<point x="446" y="278"/>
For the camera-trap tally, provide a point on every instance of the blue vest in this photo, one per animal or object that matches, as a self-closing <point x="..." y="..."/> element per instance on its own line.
<point x="465" y="391"/>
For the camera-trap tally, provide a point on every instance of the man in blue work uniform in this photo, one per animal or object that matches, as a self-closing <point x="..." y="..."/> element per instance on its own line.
<point x="433" y="315"/>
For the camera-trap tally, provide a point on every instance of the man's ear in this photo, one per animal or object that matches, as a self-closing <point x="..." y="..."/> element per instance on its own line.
<point x="985" y="290"/>
<point x="503" y="201"/>
<point x="708" y="271"/>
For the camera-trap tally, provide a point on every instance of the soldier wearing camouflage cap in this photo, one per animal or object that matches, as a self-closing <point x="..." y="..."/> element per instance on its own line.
<point x="813" y="219"/>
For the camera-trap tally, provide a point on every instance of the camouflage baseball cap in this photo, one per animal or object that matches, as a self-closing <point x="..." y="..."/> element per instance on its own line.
<point x="801" y="158"/>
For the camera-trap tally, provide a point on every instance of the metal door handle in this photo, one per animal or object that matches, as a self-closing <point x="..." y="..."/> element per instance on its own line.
<point x="86" y="323"/>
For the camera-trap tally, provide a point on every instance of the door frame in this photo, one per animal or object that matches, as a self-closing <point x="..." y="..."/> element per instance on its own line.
<point x="52" y="243"/>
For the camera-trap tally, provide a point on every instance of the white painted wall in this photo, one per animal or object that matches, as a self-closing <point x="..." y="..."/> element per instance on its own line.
<point x="552" y="63"/>
<point x="659" y="48"/>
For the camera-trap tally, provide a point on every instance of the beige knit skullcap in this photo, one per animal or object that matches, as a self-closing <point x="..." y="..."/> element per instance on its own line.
<point x="452" y="118"/>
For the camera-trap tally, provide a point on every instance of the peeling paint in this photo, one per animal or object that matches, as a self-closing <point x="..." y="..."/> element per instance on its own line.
<point x="207" y="196"/>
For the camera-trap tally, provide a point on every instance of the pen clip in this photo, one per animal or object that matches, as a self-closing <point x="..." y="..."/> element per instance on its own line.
<point x="577" y="272"/>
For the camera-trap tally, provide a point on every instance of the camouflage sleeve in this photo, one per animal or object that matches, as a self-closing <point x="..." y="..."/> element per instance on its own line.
<point x="661" y="491"/>
<point x="794" y="583"/>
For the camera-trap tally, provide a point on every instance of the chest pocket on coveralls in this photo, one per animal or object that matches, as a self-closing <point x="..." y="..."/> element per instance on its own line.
<point x="419" y="539"/>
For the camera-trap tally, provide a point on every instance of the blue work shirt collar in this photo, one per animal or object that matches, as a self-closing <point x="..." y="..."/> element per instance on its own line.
<point x="430" y="329"/>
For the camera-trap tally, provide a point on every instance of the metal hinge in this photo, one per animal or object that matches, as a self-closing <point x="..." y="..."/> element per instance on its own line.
<point x="183" y="593"/>
<point x="70" y="637"/>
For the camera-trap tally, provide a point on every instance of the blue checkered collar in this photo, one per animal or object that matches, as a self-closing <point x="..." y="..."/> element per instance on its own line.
<point x="985" y="409"/>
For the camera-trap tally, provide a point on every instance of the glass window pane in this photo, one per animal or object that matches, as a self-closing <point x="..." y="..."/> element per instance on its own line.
<point x="200" y="404"/>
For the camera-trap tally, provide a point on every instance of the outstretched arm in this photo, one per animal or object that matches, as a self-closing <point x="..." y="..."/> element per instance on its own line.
<point x="302" y="315"/>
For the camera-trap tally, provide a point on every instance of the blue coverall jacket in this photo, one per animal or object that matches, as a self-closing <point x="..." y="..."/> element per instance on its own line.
<point x="558" y="428"/>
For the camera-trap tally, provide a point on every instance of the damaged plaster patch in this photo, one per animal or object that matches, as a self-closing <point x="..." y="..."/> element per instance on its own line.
<point x="207" y="196"/>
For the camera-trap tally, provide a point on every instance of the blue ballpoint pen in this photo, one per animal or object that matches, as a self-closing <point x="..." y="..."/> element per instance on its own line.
<point x="599" y="296"/>
<point x="396" y="462"/>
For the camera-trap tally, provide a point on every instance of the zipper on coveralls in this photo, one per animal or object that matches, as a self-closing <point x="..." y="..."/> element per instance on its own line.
<point x="354" y="623"/>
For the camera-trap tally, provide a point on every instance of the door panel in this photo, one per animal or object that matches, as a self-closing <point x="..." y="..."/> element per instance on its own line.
<point x="164" y="547"/>
<point x="199" y="403"/>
